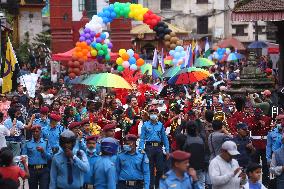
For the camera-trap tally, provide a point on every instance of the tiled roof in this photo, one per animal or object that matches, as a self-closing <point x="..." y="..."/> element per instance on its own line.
<point x="245" y="6"/>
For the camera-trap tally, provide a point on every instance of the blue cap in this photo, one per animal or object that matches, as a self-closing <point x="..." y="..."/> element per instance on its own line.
<point x="242" y="126"/>
<point x="109" y="145"/>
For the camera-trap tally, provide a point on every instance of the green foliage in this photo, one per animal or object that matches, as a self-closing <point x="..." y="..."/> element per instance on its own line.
<point x="42" y="38"/>
<point x="22" y="52"/>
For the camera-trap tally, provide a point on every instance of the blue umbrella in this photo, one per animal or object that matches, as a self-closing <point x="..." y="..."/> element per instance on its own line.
<point x="232" y="57"/>
<point x="240" y="56"/>
<point x="257" y="45"/>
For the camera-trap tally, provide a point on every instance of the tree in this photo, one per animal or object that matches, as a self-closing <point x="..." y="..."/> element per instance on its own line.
<point x="42" y="38"/>
<point x="23" y="51"/>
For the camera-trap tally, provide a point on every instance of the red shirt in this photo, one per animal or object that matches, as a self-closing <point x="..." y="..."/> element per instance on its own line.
<point x="12" y="172"/>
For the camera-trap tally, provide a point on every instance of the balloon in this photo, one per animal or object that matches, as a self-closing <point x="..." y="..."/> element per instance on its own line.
<point x="125" y="64"/>
<point x="98" y="46"/>
<point x="136" y="56"/>
<point x="93" y="44"/>
<point x="103" y="36"/>
<point x="76" y="64"/>
<point x="110" y="45"/>
<point x="179" y="48"/>
<point x="76" y="71"/>
<point x="70" y="64"/>
<point x="120" y="68"/>
<point x="94" y="52"/>
<point x="125" y="56"/>
<point x="104" y="47"/>
<point x="173" y="46"/>
<point x="82" y="38"/>
<point x="107" y="57"/>
<point x="98" y="40"/>
<point x="87" y="30"/>
<point x="119" y="61"/>
<point x="100" y="52"/>
<point x="133" y="67"/>
<point x="130" y="52"/>
<point x="121" y="52"/>
<point x="179" y="42"/>
<point x="107" y="34"/>
<point x="140" y="62"/>
<point x="132" y="60"/>
<point x="88" y="41"/>
<point x="172" y="52"/>
<point x="72" y="75"/>
<point x="87" y="35"/>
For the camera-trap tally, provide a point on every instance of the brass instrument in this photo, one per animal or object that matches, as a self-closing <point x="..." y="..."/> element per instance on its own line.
<point x="221" y="116"/>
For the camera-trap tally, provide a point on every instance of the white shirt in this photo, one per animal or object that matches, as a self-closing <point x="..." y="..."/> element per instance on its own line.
<point x="222" y="175"/>
<point x="47" y="98"/>
<point x="3" y="132"/>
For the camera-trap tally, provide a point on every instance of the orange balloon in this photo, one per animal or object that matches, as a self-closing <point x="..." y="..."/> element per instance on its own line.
<point x="74" y="56"/>
<point x="80" y="54"/>
<point x="140" y="62"/>
<point x="77" y="49"/>
<point x="125" y="56"/>
<point x="85" y="58"/>
<point x="85" y="51"/>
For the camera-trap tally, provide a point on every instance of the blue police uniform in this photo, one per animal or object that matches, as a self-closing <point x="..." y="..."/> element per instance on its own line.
<point x="52" y="135"/>
<point x="42" y="123"/>
<point x="153" y="137"/>
<point x="171" y="181"/>
<point x="244" y="158"/>
<point x="89" y="176"/>
<point x="274" y="138"/>
<point x="133" y="167"/>
<point x="59" y="178"/>
<point x="80" y="144"/>
<point x="39" y="172"/>
<point x="105" y="173"/>
<point x="98" y="146"/>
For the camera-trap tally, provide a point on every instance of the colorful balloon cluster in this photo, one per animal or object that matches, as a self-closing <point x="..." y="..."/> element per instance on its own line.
<point x="161" y="30"/>
<point x="101" y="47"/>
<point x="81" y="51"/>
<point x="220" y="53"/>
<point x="74" y="68"/>
<point x="178" y="55"/>
<point x="137" y="12"/>
<point x="151" y="19"/>
<point x="128" y="59"/>
<point x="172" y="41"/>
<point x="87" y="35"/>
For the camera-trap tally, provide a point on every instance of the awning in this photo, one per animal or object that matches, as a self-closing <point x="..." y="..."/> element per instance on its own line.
<point x="66" y="56"/>
<point x="258" y="16"/>
<point x="273" y="48"/>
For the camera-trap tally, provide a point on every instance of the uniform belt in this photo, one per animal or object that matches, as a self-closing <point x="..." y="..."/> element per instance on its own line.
<point x="87" y="186"/>
<point x="40" y="166"/>
<point x="132" y="182"/>
<point x="259" y="137"/>
<point x="156" y="144"/>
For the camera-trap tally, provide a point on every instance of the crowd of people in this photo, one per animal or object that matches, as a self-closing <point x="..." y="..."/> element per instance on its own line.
<point x="185" y="137"/>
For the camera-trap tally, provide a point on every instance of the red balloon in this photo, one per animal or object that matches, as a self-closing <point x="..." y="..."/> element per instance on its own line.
<point x="76" y="71"/>
<point x="70" y="70"/>
<point x="76" y="64"/>
<point x="70" y="64"/>
<point x="136" y="56"/>
<point x="72" y="75"/>
<point x="98" y="35"/>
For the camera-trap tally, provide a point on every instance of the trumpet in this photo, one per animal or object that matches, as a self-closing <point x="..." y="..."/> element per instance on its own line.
<point x="221" y="116"/>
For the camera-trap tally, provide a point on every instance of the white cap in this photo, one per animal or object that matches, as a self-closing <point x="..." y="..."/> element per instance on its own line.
<point x="231" y="148"/>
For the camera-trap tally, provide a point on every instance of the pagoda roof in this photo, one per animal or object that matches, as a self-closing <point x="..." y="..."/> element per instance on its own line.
<point x="254" y="10"/>
<point x="144" y="28"/>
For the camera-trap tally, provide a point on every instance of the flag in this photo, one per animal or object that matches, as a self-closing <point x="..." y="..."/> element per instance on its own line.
<point x="162" y="61"/>
<point x="193" y="44"/>
<point x="9" y="67"/>
<point x="207" y="49"/>
<point x="186" y="58"/>
<point x="196" y="51"/>
<point x="155" y="59"/>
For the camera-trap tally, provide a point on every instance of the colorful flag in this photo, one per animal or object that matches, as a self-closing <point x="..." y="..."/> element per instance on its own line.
<point x="207" y="51"/>
<point x="155" y="59"/>
<point x="193" y="45"/>
<point x="162" y="61"/>
<point x="9" y="67"/>
<point x="196" y="51"/>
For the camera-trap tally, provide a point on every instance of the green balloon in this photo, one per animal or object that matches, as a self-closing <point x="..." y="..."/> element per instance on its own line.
<point x="107" y="57"/>
<point x="98" y="46"/>
<point x="116" y="9"/>
<point x="104" y="47"/>
<point x="120" y="68"/>
<point x="101" y="52"/>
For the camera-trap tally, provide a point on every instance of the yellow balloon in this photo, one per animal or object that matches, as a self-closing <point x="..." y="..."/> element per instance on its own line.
<point x="119" y="61"/>
<point x="94" y="52"/>
<point x="121" y="52"/>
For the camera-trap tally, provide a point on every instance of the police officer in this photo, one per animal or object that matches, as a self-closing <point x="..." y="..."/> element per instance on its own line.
<point x="153" y="136"/>
<point x="38" y="152"/>
<point x="180" y="176"/>
<point x="244" y="145"/>
<point x="104" y="168"/>
<point x="52" y="132"/>
<point x="80" y="142"/>
<point x="132" y="166"/>
<point x="92" y="158"/>
<point x="108" y="131"/>
<point x="274" y="138"/>
<point x="69" y="165"/>
<point x="41" y="119"/>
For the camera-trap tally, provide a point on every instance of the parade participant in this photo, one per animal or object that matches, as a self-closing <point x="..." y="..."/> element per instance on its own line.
<point x="70" y="116"/>
<point x="244" y="144"/>
<point x="238" y="116"/>
<point x="108" y="132"/>
<point x="41" y="119"/>
<point x="92" y="158"/>
<point x="52" y="132"/>
<point x="85" y="125"/>
<point x="104" y="168"/>
<point x="79" y="106"/>
<point x="274" y="138"/>
<point x="4" y="105"/>
<point x="254" y="175"/>
<point x="258" y="103"/>
<point x="35" y="105"/>
<point x="8" y="170"/>
<point x="277" y="165"/>
<point x="153" y="136"/>
<point x="75" y="128"/>
<point x="5" y="132"/>
<point x="133" y="109"/>
<point x="217" y="138"/>
<point x="14" y="142"/>
<point x="132" y="166"/>
<point x="194" y="145"/>
<point x="38" y="151"/>
<point x="224" y="171"/>
<point x="180" y="176"/>
<point x="69" y="165"/>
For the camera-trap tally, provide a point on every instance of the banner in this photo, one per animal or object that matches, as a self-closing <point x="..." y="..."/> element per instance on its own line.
<point x="10" y="63"/>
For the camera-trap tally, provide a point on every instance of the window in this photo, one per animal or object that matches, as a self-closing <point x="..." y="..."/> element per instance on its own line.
<point x="202" y="25"/>
<point x="91" y="7"/>
<point x="240" y="30"/>
<point x="81" y="5"/>
<point x="201" y="1"/>
<point x="166" y="4"/>
<point x="271" y="30"/>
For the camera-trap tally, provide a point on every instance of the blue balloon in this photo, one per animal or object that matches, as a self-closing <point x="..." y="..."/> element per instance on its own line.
<point x="130" y="52"/>
<point x="105" y="19"/>
<point x="172" y="52"/>
<point x="183" y="53"/>
<point x="132" y="60"/>
<point x="113" y="15"/>
<point x="177" y="55"/>
<point x="93" y="44"/>
<point x="179" y="48"/>
<point x="107" y="13"/>
<point x="103" y="35"/>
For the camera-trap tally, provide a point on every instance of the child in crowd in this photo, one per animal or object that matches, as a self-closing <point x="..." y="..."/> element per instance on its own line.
<point x="254" y="174"/>
<point x="8" y="170"/>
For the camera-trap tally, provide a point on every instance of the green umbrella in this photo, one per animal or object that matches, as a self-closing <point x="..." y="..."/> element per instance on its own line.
<point x="145" y="68"/>
<point x="107" y="80"/>
<point x="171" y="72"/>
<point x="203" y="62"/>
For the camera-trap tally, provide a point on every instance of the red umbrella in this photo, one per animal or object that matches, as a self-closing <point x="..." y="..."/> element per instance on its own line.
<point x="231" y="42"/>
<point x="66" y="56"/>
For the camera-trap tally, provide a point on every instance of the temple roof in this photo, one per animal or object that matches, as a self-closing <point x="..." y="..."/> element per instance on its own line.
<point x="259" y="5"/>
<point x="144" y="28"/>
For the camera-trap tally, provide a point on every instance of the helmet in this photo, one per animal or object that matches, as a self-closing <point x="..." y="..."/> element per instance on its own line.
<point x="67" y="137"/>
<point x="109" y="146"/>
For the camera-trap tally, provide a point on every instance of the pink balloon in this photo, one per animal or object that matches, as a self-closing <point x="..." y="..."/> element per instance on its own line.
<point x="125" y="64"/>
